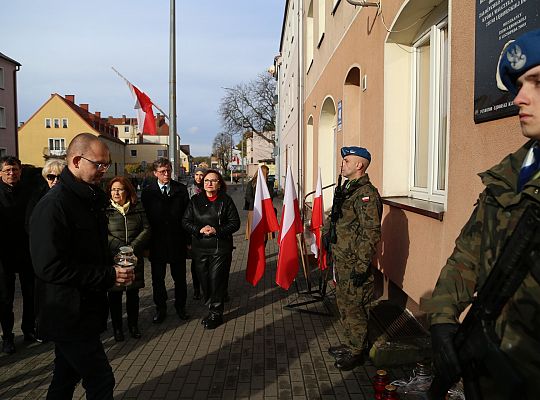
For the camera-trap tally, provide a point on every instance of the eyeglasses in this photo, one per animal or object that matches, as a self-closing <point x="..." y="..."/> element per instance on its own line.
<point x="164" y="171"/>
<point x="98" y="165"/>
<point x="117" y="190"/>
<point x="52" y="177"/>
<point x="11" y="171"/>
<point x="211" y="180"/>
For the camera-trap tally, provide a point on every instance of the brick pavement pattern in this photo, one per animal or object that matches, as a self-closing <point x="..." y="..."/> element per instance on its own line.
<point x="262" y="351"/>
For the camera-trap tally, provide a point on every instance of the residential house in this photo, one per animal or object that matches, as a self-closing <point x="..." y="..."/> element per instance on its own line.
<point x="8" y="106"/>
<point x="288" y="74"/>
<point x="48" y="132"/>
<point x="259" y="150"/>
<point x="400" y="79"/>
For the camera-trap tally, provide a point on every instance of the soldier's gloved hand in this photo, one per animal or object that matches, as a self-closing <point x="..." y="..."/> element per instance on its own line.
<point x="445" y="359"/>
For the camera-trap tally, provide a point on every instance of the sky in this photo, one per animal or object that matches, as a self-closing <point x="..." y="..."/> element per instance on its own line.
<point x="69" y="47"/>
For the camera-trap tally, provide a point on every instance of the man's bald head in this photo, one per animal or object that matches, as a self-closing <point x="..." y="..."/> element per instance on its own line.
<point x="81" y="144"/>
<point x="88" y="158"/>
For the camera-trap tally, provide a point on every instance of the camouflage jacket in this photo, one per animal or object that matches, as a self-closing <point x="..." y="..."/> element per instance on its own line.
<point x="478" y="246"/>
<point x="358" y="229"/>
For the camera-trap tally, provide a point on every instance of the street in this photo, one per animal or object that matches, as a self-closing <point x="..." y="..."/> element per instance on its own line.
<point x="262" y="351"/>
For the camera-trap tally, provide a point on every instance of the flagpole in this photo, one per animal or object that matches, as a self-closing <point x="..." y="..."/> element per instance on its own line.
<point x="172" y="93"/>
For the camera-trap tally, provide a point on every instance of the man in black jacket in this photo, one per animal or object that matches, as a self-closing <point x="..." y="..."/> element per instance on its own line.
<point x="165" y="201"/>
<point x="74" y="269"/>
<point x="14" y="253"/>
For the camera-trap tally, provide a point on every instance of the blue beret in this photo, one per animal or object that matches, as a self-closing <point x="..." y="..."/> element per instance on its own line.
<point x="357" y="151"/>
<point x="518" y="57"/>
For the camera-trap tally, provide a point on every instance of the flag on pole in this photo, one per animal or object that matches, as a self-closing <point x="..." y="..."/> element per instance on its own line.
<point x="264" y="222"/>
<point x="317" y="222"/>
<point x="291" y="225"/>
<point x="145" y="115"/>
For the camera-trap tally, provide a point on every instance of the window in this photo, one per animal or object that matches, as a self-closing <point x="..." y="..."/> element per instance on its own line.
<point x="126" y="140"/>
<point x="57" y="146"/>
<point x="2" y="117"/>
<point x="133" y="153"/>
<point x="2" y="83"/>
<point x="430" y="114"/>
<point x="162" y="153"/>
<point x="3" y="152"/>
<point x="322" y="20"/>
<point x="64" y="123"/>
<point x="47" y="122"/>
<point x="56" y="123"/>
<point x="126" y="128"/>
<point x="309" y="37"/>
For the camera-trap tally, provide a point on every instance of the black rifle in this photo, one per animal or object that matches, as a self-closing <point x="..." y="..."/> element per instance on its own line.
<point x="335" y="214"/>
<point x="476" y="343"/>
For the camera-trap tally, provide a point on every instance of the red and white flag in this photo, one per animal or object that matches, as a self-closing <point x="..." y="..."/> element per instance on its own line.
<point x="145" y="115"/>
<point x="317" y="222"/>
<point x="291" y="225"/>
<point x="264" y="222"/>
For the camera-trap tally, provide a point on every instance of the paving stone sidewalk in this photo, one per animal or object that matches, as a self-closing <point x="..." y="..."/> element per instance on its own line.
<point x="262" y="351"/>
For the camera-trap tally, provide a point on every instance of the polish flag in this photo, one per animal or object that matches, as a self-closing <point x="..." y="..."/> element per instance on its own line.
<point x="145" y="115"/>
<point x="317" y="222"/>
<point x="291" y="225"/>
<point x="264" y="222"/>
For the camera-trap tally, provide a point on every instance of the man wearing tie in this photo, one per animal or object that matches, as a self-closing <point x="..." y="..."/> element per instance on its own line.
<point x="165" y="201"/>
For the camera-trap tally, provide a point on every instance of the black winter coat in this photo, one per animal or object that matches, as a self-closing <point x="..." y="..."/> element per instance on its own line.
<point x="71" y="258"/>
<point x="220" y="214"/>
<point x="169" y="241"/>
<point x="132" y="230"/>
<point x="14" y="250"/>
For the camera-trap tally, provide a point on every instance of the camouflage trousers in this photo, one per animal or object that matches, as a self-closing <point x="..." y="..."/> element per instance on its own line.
<point x="354" y="304"/>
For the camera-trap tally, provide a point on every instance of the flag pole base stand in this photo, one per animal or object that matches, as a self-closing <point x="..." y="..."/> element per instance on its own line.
<point x="315" y="299"/>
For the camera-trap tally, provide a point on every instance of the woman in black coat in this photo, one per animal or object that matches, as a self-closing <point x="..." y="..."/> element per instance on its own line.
<point x="212" y="218"/>
<point x="128" y="226"/>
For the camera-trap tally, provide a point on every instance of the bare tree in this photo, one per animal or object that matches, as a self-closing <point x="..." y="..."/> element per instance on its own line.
<point x="221" y="148"/>
<point x="250" y="106"/>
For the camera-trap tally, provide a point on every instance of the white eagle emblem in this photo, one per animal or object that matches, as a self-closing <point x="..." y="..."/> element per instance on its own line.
<point x="516" y="58"/>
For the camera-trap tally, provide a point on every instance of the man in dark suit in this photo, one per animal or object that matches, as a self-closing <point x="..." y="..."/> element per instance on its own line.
<point x="165" y="201"/>
<point x="15" y="252"/>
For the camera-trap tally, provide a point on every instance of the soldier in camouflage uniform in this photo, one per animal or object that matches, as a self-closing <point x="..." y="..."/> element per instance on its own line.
<point x="358" y="231"/>
<point x="510" y="186"/>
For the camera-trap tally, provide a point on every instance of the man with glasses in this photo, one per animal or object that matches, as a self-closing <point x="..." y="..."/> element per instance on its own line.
<point x="14" y="253"/>
<point x="165" y="201"/>
<point x="73" y="266"/>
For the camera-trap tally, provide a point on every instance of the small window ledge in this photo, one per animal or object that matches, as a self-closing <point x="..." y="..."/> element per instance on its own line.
<point x="422" y="207"/>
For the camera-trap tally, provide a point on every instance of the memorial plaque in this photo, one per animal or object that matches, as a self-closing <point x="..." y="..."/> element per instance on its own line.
<point x="497" y="22"/>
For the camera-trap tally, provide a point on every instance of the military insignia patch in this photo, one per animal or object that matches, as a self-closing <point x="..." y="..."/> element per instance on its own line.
<point x="365" y="199"/>
<point x="516" y="57"/>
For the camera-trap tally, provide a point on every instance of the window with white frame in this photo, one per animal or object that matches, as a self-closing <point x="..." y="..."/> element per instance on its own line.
<point x="57" y="146"/>
<point x="56" y="123"/>
<point x="126" y="128"/>
<point x="2" y="82"/>
<point x="430" y="114"/>
<point x="309" y="37"/>
<point x="2" y="117"/>
<point x="47" y="122"/>
<point x="64" y="123"/>
<point x="321" y="19"/>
